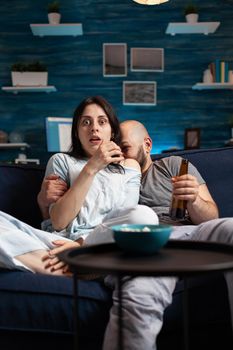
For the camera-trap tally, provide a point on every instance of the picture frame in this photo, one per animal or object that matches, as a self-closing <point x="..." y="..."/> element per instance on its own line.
<point x="146" y="59"/>
<point x="114" y="60"/>
<point x="192" y="138"/>
<point x="140" y="93"/>
<point x="58" y="133"/>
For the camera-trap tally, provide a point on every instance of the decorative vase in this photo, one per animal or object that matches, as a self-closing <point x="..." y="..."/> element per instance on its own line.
<point x="54" y="17"/>
<point x="16" y="137"/>
<point x="3" y="137"/>
<point x="192" y="17"/>
<point x="207" y="77"/>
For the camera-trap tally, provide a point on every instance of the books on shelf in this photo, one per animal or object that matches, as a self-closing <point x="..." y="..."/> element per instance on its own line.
<point x="220" y="71"/>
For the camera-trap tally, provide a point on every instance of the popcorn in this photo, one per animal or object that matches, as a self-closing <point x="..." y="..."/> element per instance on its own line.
<point x="128" y="229"/>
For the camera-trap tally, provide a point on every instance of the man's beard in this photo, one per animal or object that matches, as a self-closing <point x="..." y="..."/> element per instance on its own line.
<point x="141" y="157"/>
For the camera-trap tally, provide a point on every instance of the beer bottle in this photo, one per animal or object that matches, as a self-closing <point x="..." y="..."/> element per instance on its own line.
<point x="178" y="206"/>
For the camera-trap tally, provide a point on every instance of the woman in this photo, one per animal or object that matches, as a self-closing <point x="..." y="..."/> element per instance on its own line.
<point x="103" y="190"/>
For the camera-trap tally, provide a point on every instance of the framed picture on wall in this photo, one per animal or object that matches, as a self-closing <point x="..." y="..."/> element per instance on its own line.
<point x="114" y="60"/>
<point x="146" y="59"/>
<point x="192" y="138"/>
<point x="58" y="134"/>
<point x="139" y="93"/>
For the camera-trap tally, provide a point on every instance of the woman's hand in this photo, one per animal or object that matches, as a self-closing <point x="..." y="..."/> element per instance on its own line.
<point x="108" y="152"/>
<point x="53" y="262"/>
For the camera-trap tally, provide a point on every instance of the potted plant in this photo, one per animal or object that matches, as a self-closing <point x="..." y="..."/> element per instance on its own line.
<point x="191" y="13"/>
<point x="54" y="15"/>
<point x="29" y="74"/>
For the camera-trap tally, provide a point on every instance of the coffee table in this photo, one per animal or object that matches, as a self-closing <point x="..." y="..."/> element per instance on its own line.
<point x="178" y="258"/>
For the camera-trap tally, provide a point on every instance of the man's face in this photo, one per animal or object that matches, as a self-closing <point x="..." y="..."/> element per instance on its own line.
<point x="132" y="145"/>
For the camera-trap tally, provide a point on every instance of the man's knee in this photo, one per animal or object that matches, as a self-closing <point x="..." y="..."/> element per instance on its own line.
<point x="217" y="230"/>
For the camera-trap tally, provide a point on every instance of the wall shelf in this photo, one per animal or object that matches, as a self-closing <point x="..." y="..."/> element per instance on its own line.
<point x="192" y="28"/>
<point x="9" y="145"/>
<point x="213" y="86"/>
<point x="41" y="30"/>
<point x="17" y="89"/>
<point x="22" y="158"/>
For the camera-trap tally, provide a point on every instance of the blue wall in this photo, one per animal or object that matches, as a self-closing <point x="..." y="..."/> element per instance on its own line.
<point x="75" y="68"/>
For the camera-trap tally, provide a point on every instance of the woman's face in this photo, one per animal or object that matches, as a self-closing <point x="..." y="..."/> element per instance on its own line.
<point x="93" y="128"/>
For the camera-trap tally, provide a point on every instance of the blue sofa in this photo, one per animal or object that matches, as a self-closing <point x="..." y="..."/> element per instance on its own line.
<point x="36" y="310"/>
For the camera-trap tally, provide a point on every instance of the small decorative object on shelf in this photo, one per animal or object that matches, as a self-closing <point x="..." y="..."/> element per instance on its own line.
<point x="207" y="77"/>
<point x="230" y="76"/>
<point x="229" y="143"/>
<point x="22" y="159"/>
<point x="231" y="126"/>
<point x="54" y="15"/>
<point x="3" y="136"/>
<point x="29" y="74"/>
<point x="16" y="137"/>
<point x="191" y="13"/>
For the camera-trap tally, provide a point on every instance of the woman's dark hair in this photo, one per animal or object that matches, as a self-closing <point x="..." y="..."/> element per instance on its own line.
<point x="76" y="149"/>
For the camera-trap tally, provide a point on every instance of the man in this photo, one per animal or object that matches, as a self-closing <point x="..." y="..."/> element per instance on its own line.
<point x="145" y="299"/>
<point x="159" y="179"/>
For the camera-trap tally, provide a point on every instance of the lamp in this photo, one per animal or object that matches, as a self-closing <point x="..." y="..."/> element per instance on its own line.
<point x="150" y="2"/>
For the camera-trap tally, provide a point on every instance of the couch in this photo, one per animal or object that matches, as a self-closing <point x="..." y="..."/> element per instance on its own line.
<point x="36" y="310"/>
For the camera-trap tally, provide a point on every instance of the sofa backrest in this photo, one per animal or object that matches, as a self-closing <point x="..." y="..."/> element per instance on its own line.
<point x="216" y="167"/>
<point x="20" y="184"/>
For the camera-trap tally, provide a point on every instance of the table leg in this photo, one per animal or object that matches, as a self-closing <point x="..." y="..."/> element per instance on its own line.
<point x="75" y="311"/>
<point x="120" y="321"/>
<point x="185" y="315"/>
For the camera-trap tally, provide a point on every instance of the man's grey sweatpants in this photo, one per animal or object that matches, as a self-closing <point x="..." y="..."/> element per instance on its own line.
<point x="145" y="299"/>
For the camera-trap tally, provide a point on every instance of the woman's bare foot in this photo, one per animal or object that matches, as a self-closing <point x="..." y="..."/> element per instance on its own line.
<point x="34" y="261"/>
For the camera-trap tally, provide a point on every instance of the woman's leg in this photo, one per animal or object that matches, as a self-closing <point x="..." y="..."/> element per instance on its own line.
<point x="140" y="214"/>
<point x="22" y="246"/>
